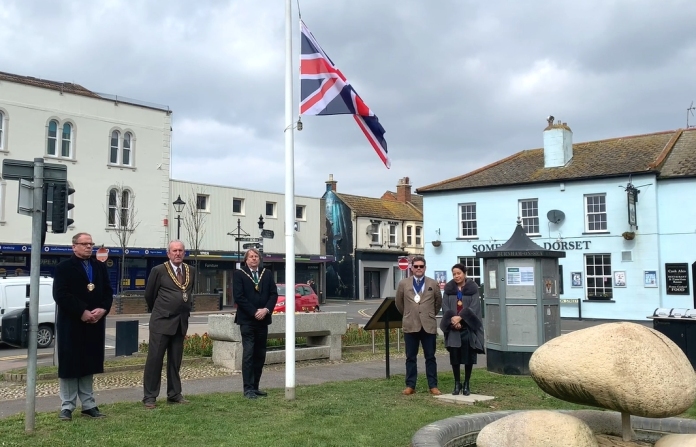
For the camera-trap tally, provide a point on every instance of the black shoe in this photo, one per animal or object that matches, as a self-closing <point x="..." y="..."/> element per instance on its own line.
<point x="178" y="401"/>
<point x="258" y="392"/>
<point x="250" y="394"/>
<point x="65" y="415"/>
<point x="466" y="390"/>
<point x="93" y="413"/>
<point x="457" y="388"/>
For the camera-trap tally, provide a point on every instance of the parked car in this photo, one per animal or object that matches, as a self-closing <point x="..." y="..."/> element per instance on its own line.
<point x="305" y="299"/>
<point x="13" y="295"/>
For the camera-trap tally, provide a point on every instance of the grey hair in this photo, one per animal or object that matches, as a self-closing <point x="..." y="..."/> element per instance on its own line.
<point x="176" y="241"/>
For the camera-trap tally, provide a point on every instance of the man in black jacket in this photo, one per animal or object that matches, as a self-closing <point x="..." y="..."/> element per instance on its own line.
<point x="83" y="295"/>
<point x="256" y="294"/>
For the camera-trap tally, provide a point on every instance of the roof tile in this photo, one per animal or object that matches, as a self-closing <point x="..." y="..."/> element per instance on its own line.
<point x="604" y="158"/>
<point x="381" y="208"/>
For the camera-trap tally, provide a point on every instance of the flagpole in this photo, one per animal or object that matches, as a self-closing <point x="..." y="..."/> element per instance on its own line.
<point x="289" y="212"/>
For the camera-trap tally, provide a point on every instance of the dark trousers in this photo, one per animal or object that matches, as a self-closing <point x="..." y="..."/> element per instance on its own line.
<point x="152" y="377"/>
<point x="413" y="340"/>
<point x="254" y="340"/>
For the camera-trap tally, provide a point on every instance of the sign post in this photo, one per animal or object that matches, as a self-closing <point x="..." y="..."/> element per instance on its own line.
<point x="36" y="233"/>
<point x="403" y="263"/>
<point x="31" y="175"/>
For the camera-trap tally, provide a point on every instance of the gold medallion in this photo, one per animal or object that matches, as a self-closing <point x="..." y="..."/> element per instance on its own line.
<point x="255" y="281"/>
<point x="90" y="287"/>
<point x="459" y="303"/>
<point x="187" y="280"/>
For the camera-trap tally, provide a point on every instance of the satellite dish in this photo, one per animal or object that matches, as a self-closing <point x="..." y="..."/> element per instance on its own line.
<point x="555" y="216"/>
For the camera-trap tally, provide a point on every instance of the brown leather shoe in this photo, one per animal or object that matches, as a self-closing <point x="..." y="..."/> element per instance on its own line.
<point x="179" y="401"/>
<point x="150" y="405"/>
<point x="435" y="392"/>
<point x="408" y="391"/>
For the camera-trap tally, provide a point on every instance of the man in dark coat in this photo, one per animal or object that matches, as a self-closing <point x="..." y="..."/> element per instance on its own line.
<point x="168" y="296"/>
<point x="256" y="294"/>
<point x="83" y="295"/>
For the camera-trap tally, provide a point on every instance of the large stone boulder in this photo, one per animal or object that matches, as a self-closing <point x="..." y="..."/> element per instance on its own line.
<point x="625" y="367"/>
<point x="536" y="429"/>
<point x="677" y="441"/>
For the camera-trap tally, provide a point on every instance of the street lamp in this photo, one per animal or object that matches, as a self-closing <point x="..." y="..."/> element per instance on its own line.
<point x="261" y="239"/>
<point x="178" y="207"/>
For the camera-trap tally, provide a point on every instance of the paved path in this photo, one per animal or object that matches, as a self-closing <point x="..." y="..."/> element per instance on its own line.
<point x="273" y="378"/>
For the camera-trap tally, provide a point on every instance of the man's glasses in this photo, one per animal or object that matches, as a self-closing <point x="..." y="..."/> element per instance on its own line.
<point x="85" y="244"/>
<point x="419" y="266"/>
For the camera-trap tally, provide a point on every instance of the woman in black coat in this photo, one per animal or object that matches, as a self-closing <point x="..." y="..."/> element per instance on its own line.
<point x="462" y="325"/>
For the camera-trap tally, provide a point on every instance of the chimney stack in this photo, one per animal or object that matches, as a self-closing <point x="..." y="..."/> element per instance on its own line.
<point x="331" y="184"/>
<point x="403" y="190"/>
<point x="558" y="144"/>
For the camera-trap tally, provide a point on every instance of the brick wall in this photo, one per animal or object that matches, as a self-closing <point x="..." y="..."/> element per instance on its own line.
<point x="206" y="302"/>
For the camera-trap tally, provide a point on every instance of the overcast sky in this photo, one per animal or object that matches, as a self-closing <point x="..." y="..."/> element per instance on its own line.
<point x="456" y="84"/>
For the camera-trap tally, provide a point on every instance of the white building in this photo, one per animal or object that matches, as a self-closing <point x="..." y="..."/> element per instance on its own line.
<point x="224" y="214"/>
<point x="107" y="143"/>
<point x="625" y="258"/>
<point x="117" y="152"/>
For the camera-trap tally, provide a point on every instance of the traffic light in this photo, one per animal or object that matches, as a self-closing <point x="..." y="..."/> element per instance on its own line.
<point x="61" y="207"/>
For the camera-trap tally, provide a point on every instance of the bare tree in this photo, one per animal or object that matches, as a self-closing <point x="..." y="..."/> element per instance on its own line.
<point x="122" y="217"/>
<point x="194" y="218"/>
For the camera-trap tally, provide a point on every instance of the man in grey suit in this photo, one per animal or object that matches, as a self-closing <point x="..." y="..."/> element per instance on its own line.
<point x="168" y="296"/>
<point x="419" y="299"/>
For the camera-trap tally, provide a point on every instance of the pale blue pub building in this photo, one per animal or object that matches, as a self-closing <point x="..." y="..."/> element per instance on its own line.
<point x="623" y="210"/>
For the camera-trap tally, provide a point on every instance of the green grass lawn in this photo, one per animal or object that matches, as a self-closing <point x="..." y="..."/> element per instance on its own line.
<point x="360" y="413"/>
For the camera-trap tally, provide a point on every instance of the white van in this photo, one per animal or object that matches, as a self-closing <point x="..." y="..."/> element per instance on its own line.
<point x="14" y="294"/>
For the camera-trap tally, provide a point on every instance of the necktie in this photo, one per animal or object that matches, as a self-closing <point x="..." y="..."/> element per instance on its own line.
<point x="256" y="276"/>
<point x="179" y="275"/>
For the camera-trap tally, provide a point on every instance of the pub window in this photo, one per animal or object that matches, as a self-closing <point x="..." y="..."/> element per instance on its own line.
<point x="237" y="206"/>
<point x="595" y="213"/>
<point x="419" y="237"/>
<point x="473" y="267"/>
<point x="467" y="222"/>
<point x="392" y="234"/>
<point x="300" y="212"/>
<point x="271" y="209"/>
<point x="598" y="277"/>
<point x="202" y="202"/>
<point x="529" y="213"/>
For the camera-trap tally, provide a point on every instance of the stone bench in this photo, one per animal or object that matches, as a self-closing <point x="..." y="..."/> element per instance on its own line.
<point x="323" y="331"/>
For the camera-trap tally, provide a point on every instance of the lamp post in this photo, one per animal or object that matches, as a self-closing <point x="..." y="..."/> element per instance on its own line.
<point x="178" y="207"/>
<point x="261" y="239"/>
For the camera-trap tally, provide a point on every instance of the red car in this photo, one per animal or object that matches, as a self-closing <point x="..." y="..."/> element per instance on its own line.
<point x="305" y="299"/>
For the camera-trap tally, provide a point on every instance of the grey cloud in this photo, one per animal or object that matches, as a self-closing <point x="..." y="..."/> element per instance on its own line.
<point x="456" y="84"/>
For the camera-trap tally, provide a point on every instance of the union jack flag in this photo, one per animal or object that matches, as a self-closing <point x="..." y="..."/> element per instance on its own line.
<point x="325" y="91"/>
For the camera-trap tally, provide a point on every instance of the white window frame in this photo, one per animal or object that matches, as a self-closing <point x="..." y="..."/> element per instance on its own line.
<point x="409" y="235"/>
<point x="528" y="210"/>
<point x="468" y="226"/>
<point x="596" y="206"/>
<point x="605" y="290"/>
<point x="120" y="148"/>
<point x="205" y="209"/>
<point x="375" y="233"/>
<point x="241" y="206"/>
<point x="114" y="147"/>
<point x="70" y="140"/>
<point x="60" y="140"/>
<point x="393" y="239"/>
<point x="419" y="236"/>
<point x="54" y="138"/>
<point x="117" y="210"/>
<point x="303" y="212"/>
<point x="274" y="209"/>
<point x="474" y="265"/>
